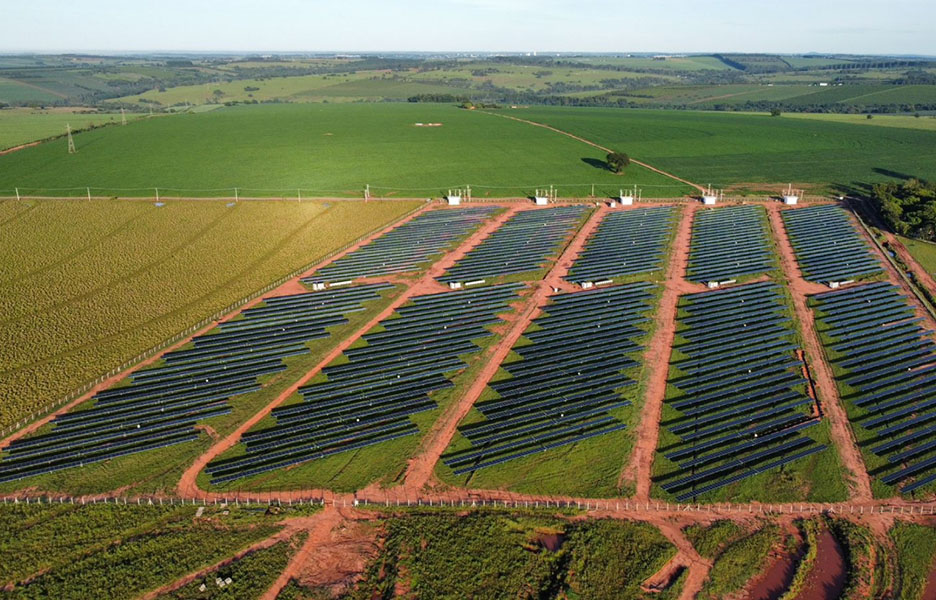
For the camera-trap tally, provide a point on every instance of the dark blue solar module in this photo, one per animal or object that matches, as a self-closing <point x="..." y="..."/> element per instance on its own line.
<point x="567" y="383"/>
<point x="408" y="247"/>
<point x="740" y="391"/>
<point x="827" y="245"/>
<point x="887" y="361"/>
<point x="626" y="242"/>
<point x="728" y="243"/>
<point x="370" y="395"/>
<point x="162" y="404"/>
<point x="523" y="243"/>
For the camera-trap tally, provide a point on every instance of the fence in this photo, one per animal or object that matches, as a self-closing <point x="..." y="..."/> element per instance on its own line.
<point x="587" y="505"/>
<point x="188" y="332"/>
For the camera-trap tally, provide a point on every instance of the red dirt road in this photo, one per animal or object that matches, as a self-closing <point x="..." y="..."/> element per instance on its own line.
<point x="830" y="404"/>
<point x="656" y="358"/>
<point x="420" y="470"/>
<point x="292" y="286"/>
<point x="187" y="485"/>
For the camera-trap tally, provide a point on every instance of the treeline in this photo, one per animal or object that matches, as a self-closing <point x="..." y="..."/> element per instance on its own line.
<point x="908" y="208"/>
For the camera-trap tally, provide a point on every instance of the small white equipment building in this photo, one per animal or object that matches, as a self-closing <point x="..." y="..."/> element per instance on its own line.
<point x="791" y="197"/>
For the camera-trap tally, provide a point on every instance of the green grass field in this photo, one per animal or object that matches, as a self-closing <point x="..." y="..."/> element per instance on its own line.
<point x="85" y="286"/>
<point x="24" y="125"/>
<point x="327" y="150"/>
<point x="731" y="149"/>
<point x="923" y="252"/>
<point x="494" y="555"/>
<point x="347" y="87"/>
<point x="925" y="123"/>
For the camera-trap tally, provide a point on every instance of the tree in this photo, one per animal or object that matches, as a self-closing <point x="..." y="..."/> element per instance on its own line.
<point x="617" y="161"/>
<point x="775" y="112"/>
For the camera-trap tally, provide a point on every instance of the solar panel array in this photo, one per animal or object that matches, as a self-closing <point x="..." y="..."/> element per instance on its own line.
<point x="887" y="368"/>
<point x="741" y="401"/>
<point x="626" y="243"/>
<point x="407" y="247"/>
<point x="369" y="399"/>
<point x="522" y="243"/>
<point x="569" y="380"/>
<point x="827" y="246"/>
<point x="161" y="405"/>
<point x="728" y="243"/>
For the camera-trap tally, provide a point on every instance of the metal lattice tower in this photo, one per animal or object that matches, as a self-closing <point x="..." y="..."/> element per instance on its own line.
<point x="71" y="142"/>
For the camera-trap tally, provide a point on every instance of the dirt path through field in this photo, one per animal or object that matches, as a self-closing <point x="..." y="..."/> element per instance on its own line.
<point x="319" y="528"/>
<point x="187" y="484"/>
<point x="686" y="555"/>
<point x="290" y="528"/>
<point x="420" y="470"/>
<point x="599" y="146"/>
<point x="656" y="359"/>
<point x="830" y="404"/>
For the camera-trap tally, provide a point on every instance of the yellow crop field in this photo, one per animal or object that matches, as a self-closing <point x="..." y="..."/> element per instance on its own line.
<point x="86" y="286"/>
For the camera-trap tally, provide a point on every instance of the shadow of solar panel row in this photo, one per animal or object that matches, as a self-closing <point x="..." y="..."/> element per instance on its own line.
<point x="368" y="397"/>
<point x="162" y="404"/>
<point x="625" y="243"/>
<point x="407" y="247"/>
<point x="740" y="390"/>
<point x="888" y="363"/>
<point x="728" y="243"/>
<point x="568" y="381"/>
<point x="523" y="243"/>
<point x="827" y="245"/>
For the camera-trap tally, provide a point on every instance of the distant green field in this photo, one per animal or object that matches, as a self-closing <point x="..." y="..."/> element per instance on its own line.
<point x="16" y="91"/>
<point x="327" y="150"/>
<point x="24" y="125"/>
<point x="304" y="88"/>
<point x="734" y="148"/>
<point x="674" y="63"/>
<point x="927" y="122"/>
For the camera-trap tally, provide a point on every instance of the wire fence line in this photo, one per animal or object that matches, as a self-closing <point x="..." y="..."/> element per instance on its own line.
<point x="188" y="332"/>
<point x="468" y="501"/>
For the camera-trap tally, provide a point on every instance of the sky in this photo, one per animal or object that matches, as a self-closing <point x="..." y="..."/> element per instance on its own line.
<point x="791" y="26"/>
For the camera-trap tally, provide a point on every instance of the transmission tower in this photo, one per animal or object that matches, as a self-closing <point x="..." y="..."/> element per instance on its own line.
<point x="71" y="142"/>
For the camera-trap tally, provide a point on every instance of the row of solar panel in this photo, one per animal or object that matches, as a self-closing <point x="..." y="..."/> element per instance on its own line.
<point x="407" y="247"/>
<point x="886" y="363"/>
<point x="523" y="243"/>
<point x="370" y="394"/>
<point x="567" y="383"/>
<point x="827" y="245"/>
<point x="739" y="391"/>
<point x="728" y="243"/>
<point x="161" y="404"/>
<point x="626" y="242"/>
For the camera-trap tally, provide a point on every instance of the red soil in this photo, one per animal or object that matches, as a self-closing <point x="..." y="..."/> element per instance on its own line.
<point x="420" y="470"/>
<point x="771" y="584"/>
<point x="20" y="147"/>
<point x="829" y="402"/>
<point x="187" y="485"/>
<point x="656" y="358"/>
<point x="290" y="287"/>
<point x="827" y="577"/>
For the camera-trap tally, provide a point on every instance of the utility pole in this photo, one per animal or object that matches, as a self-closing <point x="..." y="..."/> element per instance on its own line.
<point x="71" y="142"/>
